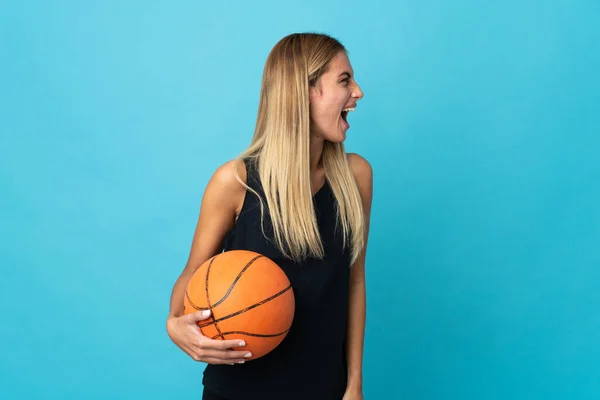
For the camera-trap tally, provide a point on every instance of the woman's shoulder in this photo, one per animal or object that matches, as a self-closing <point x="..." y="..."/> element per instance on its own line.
<point x="225" y="174"/>
<point x="363" y="174"/>
<point x="361" y="168"/>
<point x="224" y="185"/>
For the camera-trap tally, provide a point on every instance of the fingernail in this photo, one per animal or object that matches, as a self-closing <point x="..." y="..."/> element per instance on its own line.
<point x="248" y="355"/>
<point x="242" y="344"/>
<point x="241" y="362"/>
<point x="206" y="313"/>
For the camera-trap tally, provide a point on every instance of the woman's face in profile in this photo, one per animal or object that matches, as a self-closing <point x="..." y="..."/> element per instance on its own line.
<point x="332" y="96"/>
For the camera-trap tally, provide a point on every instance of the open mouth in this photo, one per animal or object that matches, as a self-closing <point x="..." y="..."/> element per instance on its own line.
<point x="345" y="112"/>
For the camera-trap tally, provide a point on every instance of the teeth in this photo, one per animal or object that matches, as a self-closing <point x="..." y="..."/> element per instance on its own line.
<point x="349" y="109"/>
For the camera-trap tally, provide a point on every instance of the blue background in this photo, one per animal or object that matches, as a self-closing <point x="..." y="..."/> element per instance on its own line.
<point x="481" y="121"/>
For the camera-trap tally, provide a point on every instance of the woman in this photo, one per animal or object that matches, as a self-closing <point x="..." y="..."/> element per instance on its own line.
<point x="296" y="197"/>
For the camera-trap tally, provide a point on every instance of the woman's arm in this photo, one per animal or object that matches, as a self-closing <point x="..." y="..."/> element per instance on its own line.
<point x="363" y="174"/>
<point x="221" y="202"/>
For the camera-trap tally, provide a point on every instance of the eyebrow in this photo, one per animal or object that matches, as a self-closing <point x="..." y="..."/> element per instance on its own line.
<point x="345" y="73"/>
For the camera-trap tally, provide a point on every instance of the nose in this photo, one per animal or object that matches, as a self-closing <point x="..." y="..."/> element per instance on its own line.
<point x="357" y="92"/>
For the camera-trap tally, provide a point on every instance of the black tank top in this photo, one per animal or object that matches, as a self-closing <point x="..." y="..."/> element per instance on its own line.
<point x="310" y="362"/>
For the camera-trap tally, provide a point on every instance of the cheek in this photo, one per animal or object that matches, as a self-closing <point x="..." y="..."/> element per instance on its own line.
<point x="321" y="111"/>
<point x="333" y="106"/>
<point x="315" y="114"/>
<point x="326" y="109"/>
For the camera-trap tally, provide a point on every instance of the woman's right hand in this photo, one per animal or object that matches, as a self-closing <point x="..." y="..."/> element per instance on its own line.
<point x="185" y="333"/>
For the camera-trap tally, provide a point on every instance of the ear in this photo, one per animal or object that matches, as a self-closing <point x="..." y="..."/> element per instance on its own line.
<point x="314" y="92"/>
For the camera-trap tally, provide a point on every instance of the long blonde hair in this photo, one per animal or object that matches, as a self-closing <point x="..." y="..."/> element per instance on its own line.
<point x="281" y="148"/>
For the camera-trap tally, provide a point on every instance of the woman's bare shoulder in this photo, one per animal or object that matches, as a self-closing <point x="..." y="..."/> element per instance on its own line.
<point x="361" y="168"/>
<point x="224" y="176"/>
<point x="221" y="203"/>
<point x="224" y="187"/>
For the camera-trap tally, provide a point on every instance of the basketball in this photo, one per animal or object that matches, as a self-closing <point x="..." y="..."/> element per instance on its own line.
<point x="249" y="296"/>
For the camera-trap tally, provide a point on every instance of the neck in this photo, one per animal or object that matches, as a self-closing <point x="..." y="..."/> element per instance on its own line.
<point x="316" y="151"/>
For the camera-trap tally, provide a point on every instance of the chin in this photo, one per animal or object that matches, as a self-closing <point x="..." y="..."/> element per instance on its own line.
<point x="337" y="137"/>
<point x="335" y="134"/>
<point x="341" y="138"/>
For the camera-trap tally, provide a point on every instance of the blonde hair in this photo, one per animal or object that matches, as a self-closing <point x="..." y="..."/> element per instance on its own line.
<point x="281" y="149"/>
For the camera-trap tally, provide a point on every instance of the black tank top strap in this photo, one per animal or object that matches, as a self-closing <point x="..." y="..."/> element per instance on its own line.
<point x="252" y="178"/>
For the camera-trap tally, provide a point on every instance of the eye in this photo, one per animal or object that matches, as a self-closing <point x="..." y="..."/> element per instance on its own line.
<point x="344" y="81"/>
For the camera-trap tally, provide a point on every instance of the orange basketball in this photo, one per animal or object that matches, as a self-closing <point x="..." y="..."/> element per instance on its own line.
<point x="250" y="298"/>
